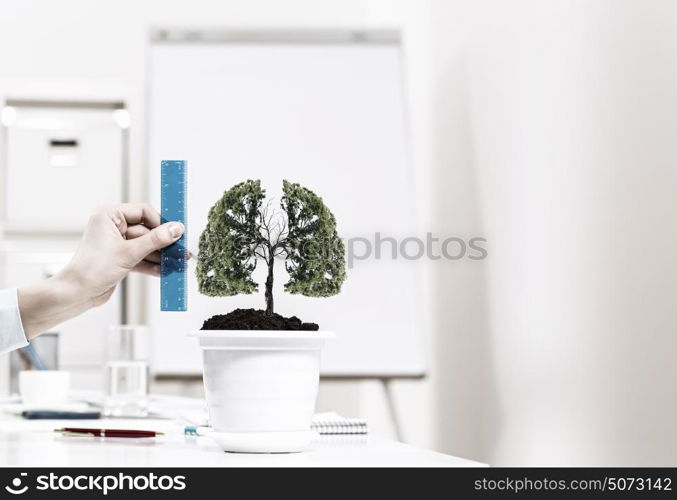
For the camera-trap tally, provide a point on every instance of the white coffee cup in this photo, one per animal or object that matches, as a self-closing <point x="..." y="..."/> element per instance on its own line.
<point x="43" y="388"/>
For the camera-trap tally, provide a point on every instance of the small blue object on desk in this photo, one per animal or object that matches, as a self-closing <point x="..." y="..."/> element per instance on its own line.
<point x="32" y="357"/>
<point x="60" y="415"/>
<point x="196" y="430"/>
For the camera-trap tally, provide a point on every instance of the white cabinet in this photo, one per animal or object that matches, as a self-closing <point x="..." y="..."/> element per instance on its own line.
<point x="60" y="163"/>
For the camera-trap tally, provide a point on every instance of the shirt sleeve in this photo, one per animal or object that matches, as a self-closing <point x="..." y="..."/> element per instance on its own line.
<point x="12" y="334"/>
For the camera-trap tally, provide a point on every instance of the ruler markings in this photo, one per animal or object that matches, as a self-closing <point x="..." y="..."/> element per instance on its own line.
<point x="173" y="259"/>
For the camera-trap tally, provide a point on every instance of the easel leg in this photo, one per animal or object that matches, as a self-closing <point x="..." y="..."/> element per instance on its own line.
<point x="390" y="400"/>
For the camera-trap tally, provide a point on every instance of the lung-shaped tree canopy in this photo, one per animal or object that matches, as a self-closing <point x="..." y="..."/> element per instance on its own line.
<point x="315" y="253"/>
<point x="226" y="258"/>
<point x="240" y="230"/>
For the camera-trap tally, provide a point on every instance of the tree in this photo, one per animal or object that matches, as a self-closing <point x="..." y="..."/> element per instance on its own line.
<point x="241" y="230"/>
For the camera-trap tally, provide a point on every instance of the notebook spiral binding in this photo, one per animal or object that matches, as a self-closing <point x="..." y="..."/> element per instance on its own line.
<point x="345" y="426"/>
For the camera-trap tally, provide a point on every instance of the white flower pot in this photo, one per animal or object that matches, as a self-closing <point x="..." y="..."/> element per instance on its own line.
<point x="261" y="387"/>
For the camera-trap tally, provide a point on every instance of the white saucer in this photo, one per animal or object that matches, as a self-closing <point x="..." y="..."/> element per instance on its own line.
<point x="263" y="442"/>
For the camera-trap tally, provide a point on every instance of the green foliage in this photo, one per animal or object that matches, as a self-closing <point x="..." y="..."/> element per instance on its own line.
<point x="226" y="258"/>
<point x="240" y="230"/>
<point x="315" y="253"/>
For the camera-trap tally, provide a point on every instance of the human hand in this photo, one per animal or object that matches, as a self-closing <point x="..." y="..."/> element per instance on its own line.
<point x="118" y="239"/>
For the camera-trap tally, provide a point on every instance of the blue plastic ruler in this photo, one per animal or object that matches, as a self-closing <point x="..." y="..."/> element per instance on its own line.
<point x="174" y="258"/>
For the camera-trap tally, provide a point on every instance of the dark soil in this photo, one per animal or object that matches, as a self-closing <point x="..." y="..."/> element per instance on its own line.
<point x="255" y="319"/>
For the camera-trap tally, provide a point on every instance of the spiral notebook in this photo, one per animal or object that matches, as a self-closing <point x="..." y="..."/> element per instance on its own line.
<point x="329" y="423"/>
<point x="333" y="423"/>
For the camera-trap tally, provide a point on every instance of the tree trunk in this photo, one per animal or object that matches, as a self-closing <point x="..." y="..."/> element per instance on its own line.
<point x="269" y="287"/>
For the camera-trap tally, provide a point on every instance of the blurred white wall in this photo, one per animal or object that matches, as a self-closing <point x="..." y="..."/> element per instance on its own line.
<point x="566" y="112"/>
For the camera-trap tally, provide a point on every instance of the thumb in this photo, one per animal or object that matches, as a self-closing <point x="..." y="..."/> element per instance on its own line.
<point x="159" y="237"/>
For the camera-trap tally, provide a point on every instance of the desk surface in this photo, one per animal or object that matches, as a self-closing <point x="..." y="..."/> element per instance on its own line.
<point x="34" y="444"/>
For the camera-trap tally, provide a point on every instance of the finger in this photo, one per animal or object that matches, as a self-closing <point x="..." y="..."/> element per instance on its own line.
<point x="153" y="257"/>
<point x="136" y="231"/>
<point x="154" y="240"/>
<point x="140" y="213"/>
<point x="127" y="214"/>
<point x="148" y="268"/>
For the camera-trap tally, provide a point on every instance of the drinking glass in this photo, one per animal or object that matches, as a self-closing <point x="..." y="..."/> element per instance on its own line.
<point x="126" y="371"/>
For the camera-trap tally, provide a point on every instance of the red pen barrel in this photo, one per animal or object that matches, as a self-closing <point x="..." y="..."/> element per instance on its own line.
<point x="121" y="433"/>
<point x="126" y="433"/>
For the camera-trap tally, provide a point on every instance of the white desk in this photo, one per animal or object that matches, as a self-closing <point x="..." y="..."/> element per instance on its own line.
<point x="34" y="444"/>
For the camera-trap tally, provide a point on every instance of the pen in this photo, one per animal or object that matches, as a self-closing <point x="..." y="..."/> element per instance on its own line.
<point x="60" y="415"/>
<point x="30" y="355"/>
<point x="121" y="433"/>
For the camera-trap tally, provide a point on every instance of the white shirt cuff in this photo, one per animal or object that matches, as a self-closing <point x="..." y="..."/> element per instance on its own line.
<point x="12" y="335"/>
